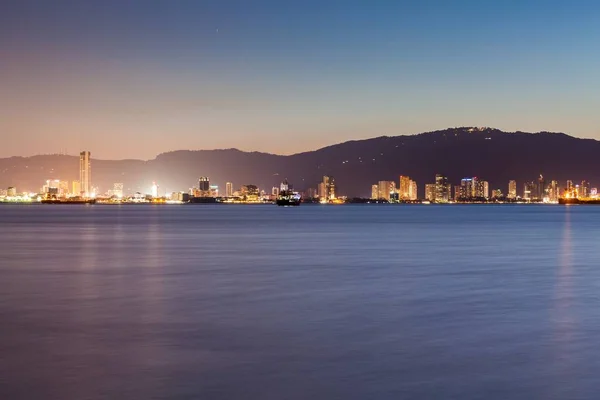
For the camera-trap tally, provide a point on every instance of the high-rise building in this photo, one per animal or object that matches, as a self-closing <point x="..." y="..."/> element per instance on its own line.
<point x="385" y="189"/>
<point x="512" y="190"/>
<point x="442" y="189"/>
<point x="497" y="194"/>
<point x="467" y="189"/>
<point x="154" y="190"/>
<point x="584" y="189"/>
<point x="375" y="192"/>
<point x="229" y="189"/>
<point x="327" y="189"/>
<point x="322" y="190"/>
<point x="486" y="189"/>
<point x="404" y="188"/>
<point x="430" y="192"/>
<point x="540" y="189"/>
<point x="11" y="191"/>
<point x="76" y="188"/>
<point x="204" y="184"/>
<point x="412" y="193"/>
<point x="553" y="191"/>
<point x="85" y="173"/>
<point x="275" y="191"/>
<point x="529" y="190"/>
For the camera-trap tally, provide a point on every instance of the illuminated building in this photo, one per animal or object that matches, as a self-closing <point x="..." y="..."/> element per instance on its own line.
<point x="442" y="189"/>
<point x="529" y="189"/>
<point x="540" y="188"/>
<point x="467" y="189"/>
<point x="311" y="193"/>
<point x="553" y="191"/>
<point x="374" y="192"/>
<point x="275" y="191"/>
<point x="497" y="194"/>
<point x="11" y="192"/>
<point x="85" y="173"/>
<point x="404" y="188"/>
<point x="594" y="192"/>
<point x="485" y="189"/>
<point x="154" y="190"/>
<point x="385" y="189"/>
<point x="63" y="188"/>
<point x="430" y="192"/>
<point x="76" y="188"/>
<point x="284" y="186"/>
<point x="118" y="190"/>
<point x="584" y="189"/>
<point x="412" y="193"/>
<point x="512" y="190"/>
<point x="569" y="189"/>
<point x="229" y="189"/>
<point x="327" y="188"/>
<point x="214" y="191"/>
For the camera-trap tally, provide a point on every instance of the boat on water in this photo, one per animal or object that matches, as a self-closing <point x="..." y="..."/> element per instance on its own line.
<point x="286" y="196"/>
<point x="575" y="200"/>
<point x="68" y="201"/>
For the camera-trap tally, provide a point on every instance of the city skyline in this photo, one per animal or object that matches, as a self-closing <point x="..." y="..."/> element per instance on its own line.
<point x="288" y="77"/>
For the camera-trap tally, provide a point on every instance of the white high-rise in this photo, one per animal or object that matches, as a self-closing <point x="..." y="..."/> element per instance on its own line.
<point x="85" y="173"/>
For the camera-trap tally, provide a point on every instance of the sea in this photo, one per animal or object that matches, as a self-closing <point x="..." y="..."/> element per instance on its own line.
<point x="309" y="302"/>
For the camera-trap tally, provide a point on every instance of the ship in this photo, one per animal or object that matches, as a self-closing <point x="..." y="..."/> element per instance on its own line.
<point x="68" y="201"/>
<point x="575" y="200"/>
<point x="286" y="196"/>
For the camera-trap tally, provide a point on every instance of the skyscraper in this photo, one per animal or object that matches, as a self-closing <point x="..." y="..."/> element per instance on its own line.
<point x="154" y="190"/>
<point x="404" y="188"/>
<point x="412" y="192"/>
<point x="327" y="188"/>
<point x="442" y="189"/>
<point x="204" y="184"/>
<point x="374" y="192"/>
<point x="385" y="189"/>
<point x="584" y="189"/>
<point x="430" y="192"/>
<point x="76" y="188"/>
<point x="512" y="190"/>
<point x="553" y="191"/>
<point x="229" y="189"/>
<point x="85" y="173"/>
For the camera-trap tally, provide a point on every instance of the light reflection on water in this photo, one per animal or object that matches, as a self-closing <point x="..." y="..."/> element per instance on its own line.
<point x="323" y="302"/>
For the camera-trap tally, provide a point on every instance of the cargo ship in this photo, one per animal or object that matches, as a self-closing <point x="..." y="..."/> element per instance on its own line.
<point x="68" y="201"/>
<point x="574" y="200"/>
<point x="286" y="196"/>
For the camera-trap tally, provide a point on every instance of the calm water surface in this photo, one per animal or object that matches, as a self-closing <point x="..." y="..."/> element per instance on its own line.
<point x="321" y="302"/>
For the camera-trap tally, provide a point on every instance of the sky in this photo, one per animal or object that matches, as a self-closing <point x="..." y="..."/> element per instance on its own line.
<point x="132" y="79"/>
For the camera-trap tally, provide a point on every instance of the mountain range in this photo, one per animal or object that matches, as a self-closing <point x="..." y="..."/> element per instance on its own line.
<point x="487" y="153"/>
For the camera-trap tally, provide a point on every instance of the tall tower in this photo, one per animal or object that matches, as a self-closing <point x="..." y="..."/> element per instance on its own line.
<point x="229" y="189"/>
<point x="85" y="173"/>
<point x="512" y="189"/>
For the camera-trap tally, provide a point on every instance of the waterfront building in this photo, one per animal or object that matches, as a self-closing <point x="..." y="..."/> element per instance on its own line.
<point x="11" y="192"/>
<point x="154" y="190"/>
<point x="275" y="191"/>
<point x="214" y="191"/>
<point x="204" y="184"/>
<point x="540" y="189"/>
<point x="322" y="190"/>
<point x="553" y="191"/>
<point x="76" y="188"/>
<point x="486" y="189"/>
<point x="497" y="194"/>
<point x="375" y="192"/>
<point x="385" y="189"/>
<point x="512" y="190"/>
<point x="529" y="190"/>
<point x="85" y="173"/>
<point x="430" y="192"/>
<point x="327" y="189"/>
<point x="412" y="192"/>
<point x="584" y="189"/>
<point x="442" y="189"/>
<point x="404" y="188"/>
<point x="229" y="189"/>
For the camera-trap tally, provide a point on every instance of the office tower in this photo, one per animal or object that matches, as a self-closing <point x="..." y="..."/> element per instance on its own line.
<point x="442" y="189"/>
<point x="76" y="188"/>
<point x="404" y="188"/>
<point x="118" y="190"/>
<point x="430" y="192"/>
<point x="486" y="189"/>
<point x="229" y="189"/>
<point x="553" y="191"/>
<point x="512" y="190"/>
<point x="584" y="189"/>
<point x="412" y="192"/>
<point x="375" y="192"/>
<point x="154" y="190"/>
<point x="540" y="188"/>
<point x="467" y="189"/>
<point x="385" y="189"/>
<point x="85" y="173"/>
<point x="11" y="191"/>
<point x="204" y="184"/>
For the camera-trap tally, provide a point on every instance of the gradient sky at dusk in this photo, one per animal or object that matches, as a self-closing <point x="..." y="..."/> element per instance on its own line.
<point x="131" y="79"/>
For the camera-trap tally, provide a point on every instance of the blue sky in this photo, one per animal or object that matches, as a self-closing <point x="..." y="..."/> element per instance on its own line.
<point x="131" y="79"/>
